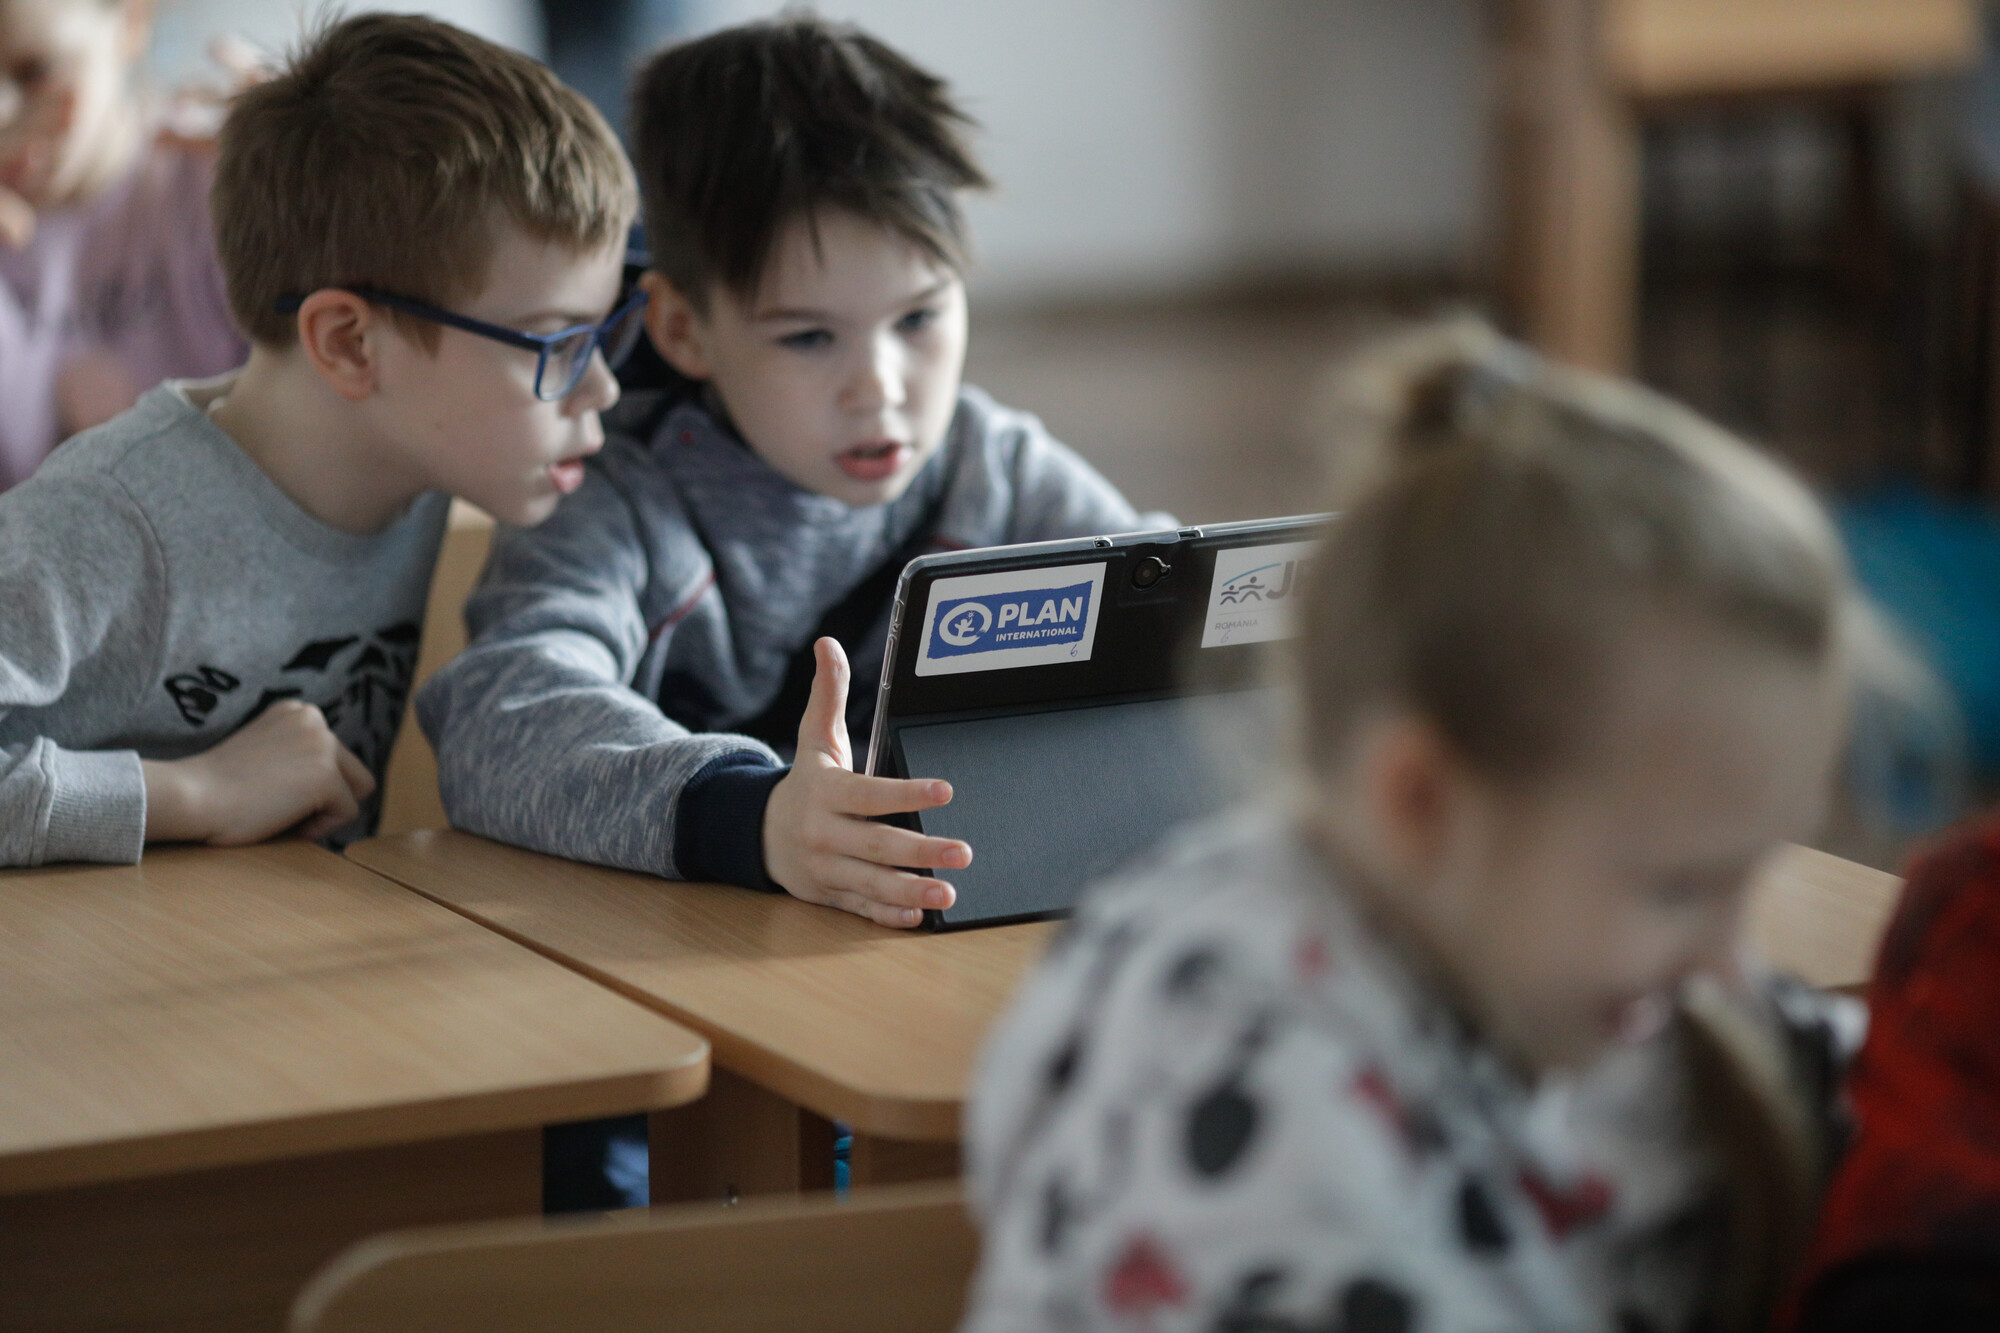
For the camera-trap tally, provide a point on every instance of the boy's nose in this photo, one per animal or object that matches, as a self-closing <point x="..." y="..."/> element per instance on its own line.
<point x="879" y="381"/>
<point x="597" y="391"/>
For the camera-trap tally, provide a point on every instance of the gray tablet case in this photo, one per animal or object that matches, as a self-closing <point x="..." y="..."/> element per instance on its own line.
<point x="1082" y="697"/>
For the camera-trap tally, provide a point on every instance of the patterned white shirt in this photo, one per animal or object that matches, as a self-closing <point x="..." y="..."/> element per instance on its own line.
<point x="1226" y="1103"/>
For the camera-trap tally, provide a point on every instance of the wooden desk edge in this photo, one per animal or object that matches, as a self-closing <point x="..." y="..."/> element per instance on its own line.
<point x="929" y="1120"/>
<point x="362" y="1127"/>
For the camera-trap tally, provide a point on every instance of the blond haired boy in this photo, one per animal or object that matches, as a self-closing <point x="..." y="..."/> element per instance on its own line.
<point x="213" y="601"/>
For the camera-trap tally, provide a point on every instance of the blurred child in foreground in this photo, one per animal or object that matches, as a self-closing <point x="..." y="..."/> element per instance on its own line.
<point x="1458" y="1038"/>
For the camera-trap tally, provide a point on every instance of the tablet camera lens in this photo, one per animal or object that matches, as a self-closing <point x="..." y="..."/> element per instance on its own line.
<point x="1150" y="571"/>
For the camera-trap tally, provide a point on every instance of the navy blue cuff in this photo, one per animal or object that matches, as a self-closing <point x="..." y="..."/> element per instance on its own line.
<point x="719" y="823"/>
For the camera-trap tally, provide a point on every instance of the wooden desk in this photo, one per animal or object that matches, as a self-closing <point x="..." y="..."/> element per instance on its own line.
<point x="1822" y="917"/>
<point x="219" y="1067"/>
<point x="816" y="1015"/>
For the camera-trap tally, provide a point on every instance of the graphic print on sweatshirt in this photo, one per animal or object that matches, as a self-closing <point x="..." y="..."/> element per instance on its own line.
<point x="360" y="681"/>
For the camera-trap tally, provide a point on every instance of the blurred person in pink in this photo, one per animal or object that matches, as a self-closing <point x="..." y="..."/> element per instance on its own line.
<point x="108" y="277"/>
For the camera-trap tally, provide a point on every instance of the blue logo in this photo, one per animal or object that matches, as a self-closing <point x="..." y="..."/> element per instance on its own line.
<point x="1266" y="583"/>
<point x="1036" y="618"/>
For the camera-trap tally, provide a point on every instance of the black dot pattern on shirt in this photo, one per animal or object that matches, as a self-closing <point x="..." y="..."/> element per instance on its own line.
<point x="1219" y="1128"/>
<point x="1373" y="1306"/>
<point x="1063" y="1064"/>
<point x="1479" y="1223"/>
<point x="1192" y="974"/>
<point x="1365" y="1305"/>
<point x="1056" y="1214"/>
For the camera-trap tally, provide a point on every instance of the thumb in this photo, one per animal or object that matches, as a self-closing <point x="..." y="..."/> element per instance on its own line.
<point x="823" y="729"/>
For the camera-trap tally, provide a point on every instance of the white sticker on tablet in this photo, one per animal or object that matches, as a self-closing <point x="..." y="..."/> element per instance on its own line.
<point x="1251" y="598"/>
<point x="1029" y="617"/>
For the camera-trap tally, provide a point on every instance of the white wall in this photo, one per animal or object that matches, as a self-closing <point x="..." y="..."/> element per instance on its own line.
<point x="1144" y="146"/>
<point x="182" y="31"/>
<point x="1141" y="146"/>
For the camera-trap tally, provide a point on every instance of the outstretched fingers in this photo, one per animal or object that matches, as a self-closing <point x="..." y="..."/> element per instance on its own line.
<point x="858" y="794"/>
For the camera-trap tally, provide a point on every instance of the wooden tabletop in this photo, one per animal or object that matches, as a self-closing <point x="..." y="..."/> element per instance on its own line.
<point x="1821" y="917"/>
<point x="213" y="1007"/>
<point x="882" y="1028"/>
<point x="875" y="1027"/>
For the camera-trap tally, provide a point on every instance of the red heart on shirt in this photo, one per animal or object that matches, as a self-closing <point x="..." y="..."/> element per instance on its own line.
<point x="1563" y="1211"/>
<point x="1144" y="1279"/>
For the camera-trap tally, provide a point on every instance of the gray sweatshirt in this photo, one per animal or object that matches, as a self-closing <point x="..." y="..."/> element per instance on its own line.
<point x="615" y="648"/>
<point x="157" y="591"/>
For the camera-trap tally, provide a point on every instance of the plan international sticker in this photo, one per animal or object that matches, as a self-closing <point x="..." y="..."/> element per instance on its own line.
<point x="1251" y="598"/>
<point x="1029" y="617"/>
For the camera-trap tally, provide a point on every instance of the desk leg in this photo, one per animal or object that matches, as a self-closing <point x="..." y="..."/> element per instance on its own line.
<point x="229" y="1248"/>
<point x="1571" y="172"/>
<point x="873" y="1161"/>
<point x="737" y="1141"/>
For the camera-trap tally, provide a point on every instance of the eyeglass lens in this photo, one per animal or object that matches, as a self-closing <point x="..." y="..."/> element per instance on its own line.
<point x="569" y="359"/>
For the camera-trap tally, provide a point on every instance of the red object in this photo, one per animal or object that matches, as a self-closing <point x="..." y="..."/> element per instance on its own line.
<point x="1144" y="1279"/>
<point x="1564" y="1210"/>
<point x="1922" y="1177"/>
<point x="1371" y="1085"/>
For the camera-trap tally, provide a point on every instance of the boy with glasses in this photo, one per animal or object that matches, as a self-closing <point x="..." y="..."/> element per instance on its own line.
<point x="213" y="602"/>
<point x="639" y="665"/>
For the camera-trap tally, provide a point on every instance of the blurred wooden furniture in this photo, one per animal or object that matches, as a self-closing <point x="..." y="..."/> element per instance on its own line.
<point x="409" y="789"/>
<point x="1575" y="78"/>
<point x="218" y="1067"/>
<point x="896" y="1260"/>
<point x="1822" y="917"/>
<point x="815" y="1015"/>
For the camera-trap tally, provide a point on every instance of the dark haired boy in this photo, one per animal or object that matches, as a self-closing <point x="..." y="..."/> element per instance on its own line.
<point x="212" y="602"/>
<point x="637" y="664"/>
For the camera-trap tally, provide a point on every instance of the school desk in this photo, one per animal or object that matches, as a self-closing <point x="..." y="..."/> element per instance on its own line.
<point x="218" y="1067"/>
<point x="816" y="1015"/>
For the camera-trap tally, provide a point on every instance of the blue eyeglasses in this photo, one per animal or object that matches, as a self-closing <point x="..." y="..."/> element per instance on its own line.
<point x="565" y="355"/>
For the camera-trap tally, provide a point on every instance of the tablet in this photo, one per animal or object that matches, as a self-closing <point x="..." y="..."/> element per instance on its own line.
<point x="1082" y="697"/>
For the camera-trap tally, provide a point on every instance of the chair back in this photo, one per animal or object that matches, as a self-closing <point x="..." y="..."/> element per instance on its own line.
<point x="410" y="789"/>
<point x="892" y="1260"/>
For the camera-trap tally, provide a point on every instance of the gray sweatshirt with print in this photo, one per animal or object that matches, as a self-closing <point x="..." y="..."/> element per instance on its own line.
<point x="616" y="648"/>
<point x="157" y="591"/>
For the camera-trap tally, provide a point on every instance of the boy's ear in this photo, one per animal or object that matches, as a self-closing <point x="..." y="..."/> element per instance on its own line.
<point x="337" y="333"/>
<point x="678" y="331"/>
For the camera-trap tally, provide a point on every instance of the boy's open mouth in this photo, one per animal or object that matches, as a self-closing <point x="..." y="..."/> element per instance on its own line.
<point x="875" y="460"/>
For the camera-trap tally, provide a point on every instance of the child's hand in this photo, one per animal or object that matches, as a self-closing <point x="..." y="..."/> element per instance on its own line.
<point x="286" y="769"/>
<point x="818" y="840"/>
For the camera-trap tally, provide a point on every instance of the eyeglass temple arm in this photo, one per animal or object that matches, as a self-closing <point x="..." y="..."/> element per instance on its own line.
<point x="289" y="305"/>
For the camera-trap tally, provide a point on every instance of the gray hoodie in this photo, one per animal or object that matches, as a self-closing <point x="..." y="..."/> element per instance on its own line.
<point x="157" y="591"/>
<point x="614" y="648"/>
